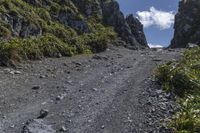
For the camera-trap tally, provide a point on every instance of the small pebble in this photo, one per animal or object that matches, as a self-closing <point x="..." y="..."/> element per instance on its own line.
<point x="63" y="129"/>
<point x="94" y="89"/>
<point x="102" y="126"/>
<point x="36" y="87"/>
<point x="43" y="113"/>
<point x="42" y="76"/>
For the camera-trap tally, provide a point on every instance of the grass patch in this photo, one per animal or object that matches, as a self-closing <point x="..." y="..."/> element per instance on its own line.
<point x="183" y="79"/>
<point x="48" y="45"/>
<point x="33" y="48"/>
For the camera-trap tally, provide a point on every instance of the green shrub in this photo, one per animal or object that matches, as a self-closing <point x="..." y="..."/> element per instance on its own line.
<point x="163" y="74"/>
<point x="34" y="48"/>
<point x="4" y="32"/>
<point x="64" y="33"/>
<point x="10" y="51"/>
<point x="51" y="46"/>
<point x="44" y="14"/>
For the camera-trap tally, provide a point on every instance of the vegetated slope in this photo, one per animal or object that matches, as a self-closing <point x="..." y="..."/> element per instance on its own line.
<point x="183" y="79"/>
<point x="187" y="24"/>
<point x="31" y="29"/>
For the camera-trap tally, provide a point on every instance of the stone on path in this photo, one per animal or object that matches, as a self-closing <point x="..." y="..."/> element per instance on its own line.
<point x="37" y="126"/>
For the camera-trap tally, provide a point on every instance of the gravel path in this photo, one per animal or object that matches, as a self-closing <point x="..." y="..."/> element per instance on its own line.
<point x="111" y="92"/>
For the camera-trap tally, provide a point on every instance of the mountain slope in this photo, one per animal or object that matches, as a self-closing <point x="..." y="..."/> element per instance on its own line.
<point x="35" y="28"/>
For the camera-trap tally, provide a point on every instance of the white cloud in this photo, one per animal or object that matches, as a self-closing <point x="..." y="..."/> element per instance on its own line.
<point x="154" y="17"/>
<point x="155" y="46"/>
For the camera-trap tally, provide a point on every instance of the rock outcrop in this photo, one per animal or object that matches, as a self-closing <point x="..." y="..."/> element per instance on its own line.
<point x="25" y="18"/>
<point x="114" y="17"/>
<point x="108" y="12"/>
<point x="187" y="24"/>
<point x="137" y="30"/>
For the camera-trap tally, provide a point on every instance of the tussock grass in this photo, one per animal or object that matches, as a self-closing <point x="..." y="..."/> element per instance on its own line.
<point x="183" y="79"/>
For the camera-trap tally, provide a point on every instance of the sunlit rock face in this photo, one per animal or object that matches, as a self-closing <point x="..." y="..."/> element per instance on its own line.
<point x="187" y="24"/>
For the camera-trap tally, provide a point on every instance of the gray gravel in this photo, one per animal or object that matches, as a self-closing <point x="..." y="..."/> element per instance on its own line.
<point x="111" y="92"/>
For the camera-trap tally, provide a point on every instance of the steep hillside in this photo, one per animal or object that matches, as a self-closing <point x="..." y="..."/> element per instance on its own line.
<point x="31" y="29"/>
<point x="187" y="24"/>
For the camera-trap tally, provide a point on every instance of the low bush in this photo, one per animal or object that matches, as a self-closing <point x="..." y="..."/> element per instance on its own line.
<point x="34" y="48"/>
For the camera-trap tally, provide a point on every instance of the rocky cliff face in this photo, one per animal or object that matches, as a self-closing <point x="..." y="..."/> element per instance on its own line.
<point x="25" y="18"/>
<point x="137" y="30"/>
<point x="126" y="28"/>
<point x="187" y="24"/>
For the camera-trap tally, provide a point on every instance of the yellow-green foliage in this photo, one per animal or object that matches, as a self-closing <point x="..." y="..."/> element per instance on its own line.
<point x="188" y="119"/>
<point x="34" y="48"/>
<point x="183" y="78"/>
<point x="97" y="41"/>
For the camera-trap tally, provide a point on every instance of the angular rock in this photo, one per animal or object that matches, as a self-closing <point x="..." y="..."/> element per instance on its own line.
<point x="36" y="87"/>
<point x="63" y="129"/>
<point x="37" y="126"/>
<point x="97" y="57"/>
<point x="191" y="45"/>
<point x="43" y="114"/>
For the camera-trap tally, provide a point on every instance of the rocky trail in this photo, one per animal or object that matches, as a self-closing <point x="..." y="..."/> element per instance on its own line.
<point x="110" y="92"/>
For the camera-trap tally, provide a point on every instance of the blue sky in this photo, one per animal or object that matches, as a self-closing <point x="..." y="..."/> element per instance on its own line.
<point x="156" y="15"/>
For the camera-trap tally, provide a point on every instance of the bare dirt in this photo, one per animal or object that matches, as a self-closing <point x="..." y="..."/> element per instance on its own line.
<point x="110" y="92"/>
